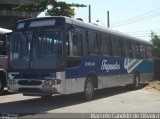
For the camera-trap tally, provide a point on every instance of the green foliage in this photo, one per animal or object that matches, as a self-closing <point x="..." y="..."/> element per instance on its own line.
<point x="39" y="6"/>
<point x="156" y="44"/>
<point x="57" y="8"/>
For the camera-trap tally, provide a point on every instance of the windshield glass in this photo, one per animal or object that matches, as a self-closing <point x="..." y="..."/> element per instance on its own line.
<point x="38" y="49"/>
<point x="47" y="49"/>
<point x="19" y="53"/>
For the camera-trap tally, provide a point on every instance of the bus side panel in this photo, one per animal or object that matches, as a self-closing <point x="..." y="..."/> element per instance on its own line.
<point x="101" y="65"/>
<point x="62" y="87"/>
<point x="75" y="85"/>
<point x="143" y="66"/>
<point x="146" y="70"/>
<point x="146" y="76"/>
<point x="112" y="71"/>
<point x="117" y="80"/>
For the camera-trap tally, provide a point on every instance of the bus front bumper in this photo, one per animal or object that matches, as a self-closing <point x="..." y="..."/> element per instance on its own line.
<point x="34" y="87"/>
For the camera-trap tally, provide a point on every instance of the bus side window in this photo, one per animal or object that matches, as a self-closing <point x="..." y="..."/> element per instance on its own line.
<point x="149" y="51"/>
<point x="145" y="51"/>
<point x="2" y="45"/>
<point x="110" y="46"/>
<point x="1" y="48"/>
<point x="74" y="49"/>
<point x="134" y="55"/>
<point x="116" y="47"/>
<point x="128" y="49"/>
<point x="67" y="45"/>
<point x="77" y="45"/>
<point x="105" y="45"/>
<point x="137" y="50"/>
<point x="92" y="43"/>
<point x="141" y="51"/>
<point x="121" y="48"/>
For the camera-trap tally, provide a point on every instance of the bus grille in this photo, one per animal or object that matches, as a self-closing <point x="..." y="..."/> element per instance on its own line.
<point x="29" y="90"/>
<point x="30" y="82"/>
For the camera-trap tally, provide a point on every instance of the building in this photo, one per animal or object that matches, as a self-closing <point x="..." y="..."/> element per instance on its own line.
<point x="8" y="16"/>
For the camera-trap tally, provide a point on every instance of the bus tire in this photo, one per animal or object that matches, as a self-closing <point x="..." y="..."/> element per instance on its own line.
<point x="1" y="86"/>
<point x="89" y="89"/>
<point x="136" y="82"/>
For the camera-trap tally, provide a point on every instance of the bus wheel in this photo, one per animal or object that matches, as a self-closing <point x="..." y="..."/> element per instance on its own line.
<point x="136" y="82"/>
<point x="89" y="89"/>
<point x="1" y="87"/>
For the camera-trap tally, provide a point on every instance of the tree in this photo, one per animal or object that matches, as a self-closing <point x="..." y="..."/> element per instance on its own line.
<point x="57" y="8"/>
<point x="155" y="39"/>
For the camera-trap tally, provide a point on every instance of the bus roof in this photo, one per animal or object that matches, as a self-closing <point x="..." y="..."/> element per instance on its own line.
<point x="4" y="31"/>
<point x="92" y="27"/>
<point x="108" y="30"/>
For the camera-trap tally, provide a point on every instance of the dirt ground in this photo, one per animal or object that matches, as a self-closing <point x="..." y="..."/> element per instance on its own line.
<point x="153" y="85"/>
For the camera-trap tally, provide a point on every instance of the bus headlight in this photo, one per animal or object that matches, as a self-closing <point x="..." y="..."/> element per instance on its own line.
<point x="58" y="81"/>
<point x="12" y="81"/>
<point x="47" y="85"/>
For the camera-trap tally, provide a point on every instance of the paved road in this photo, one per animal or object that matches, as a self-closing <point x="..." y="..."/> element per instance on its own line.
<point x="114" y="100"/>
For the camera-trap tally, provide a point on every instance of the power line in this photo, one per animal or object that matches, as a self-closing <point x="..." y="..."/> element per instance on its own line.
<point x="146" y="13"/>
<point x="138" y="18"/>
<point x="145" y="31"/>
<point x="141" y="34"/>
<point x="157" y="31"/>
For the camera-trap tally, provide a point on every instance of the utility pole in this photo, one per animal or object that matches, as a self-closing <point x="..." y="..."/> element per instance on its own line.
<point x="89" y="19"/>
<point x="108" y="21"/>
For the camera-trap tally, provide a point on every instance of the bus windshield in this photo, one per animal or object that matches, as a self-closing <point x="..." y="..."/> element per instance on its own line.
<point x="36" y="49"/>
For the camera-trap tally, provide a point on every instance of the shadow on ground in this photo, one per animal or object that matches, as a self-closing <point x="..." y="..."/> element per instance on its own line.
<point x="7" y="93"/>
<point x="39" y="105"/>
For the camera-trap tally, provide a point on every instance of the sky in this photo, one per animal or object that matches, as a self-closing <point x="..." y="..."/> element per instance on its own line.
<point x="134" y="17"/>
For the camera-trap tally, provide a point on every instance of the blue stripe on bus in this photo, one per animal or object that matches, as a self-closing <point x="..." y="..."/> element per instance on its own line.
<point x="109" y="66"/>
<point x="147" y="66"/>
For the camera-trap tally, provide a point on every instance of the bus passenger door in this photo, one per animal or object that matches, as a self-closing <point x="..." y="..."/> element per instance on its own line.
<point x="73" y="60"/>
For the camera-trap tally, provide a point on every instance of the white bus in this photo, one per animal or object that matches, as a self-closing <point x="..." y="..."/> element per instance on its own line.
<point x="61" y="55"/>
<point x="3" y="57"/>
